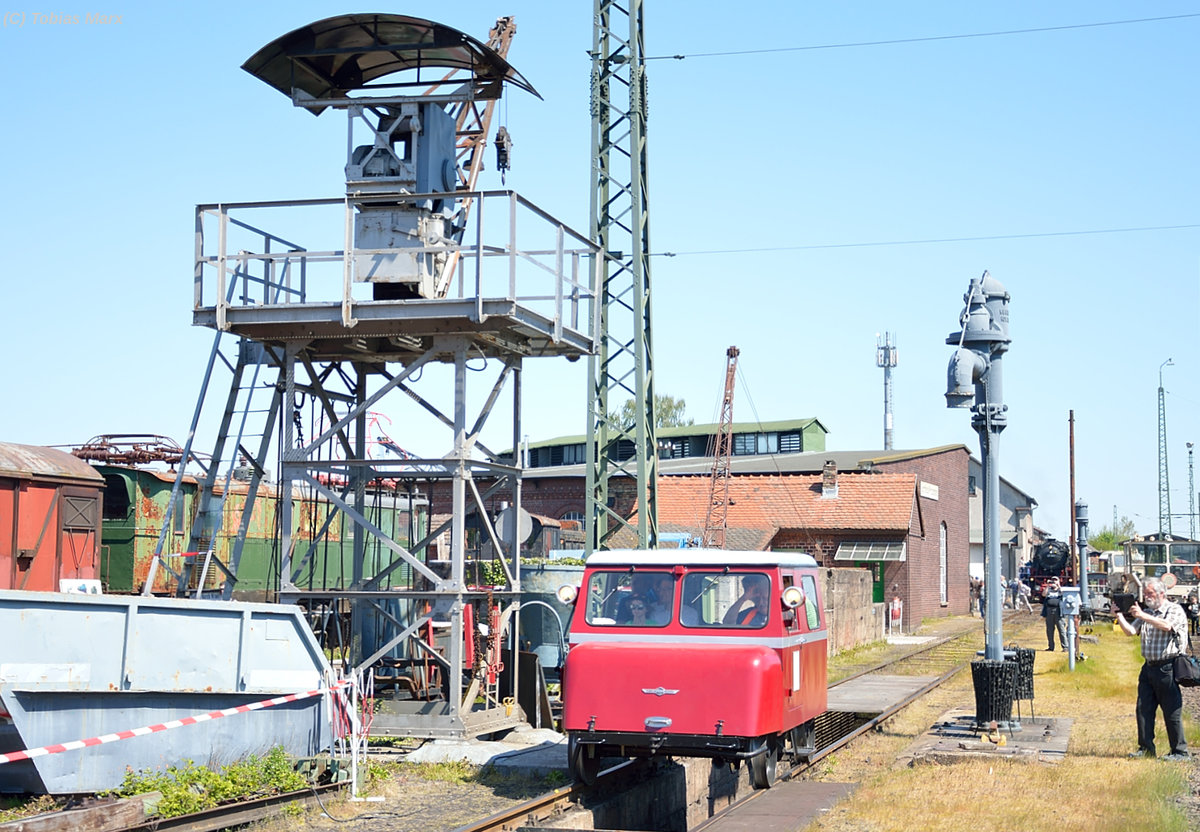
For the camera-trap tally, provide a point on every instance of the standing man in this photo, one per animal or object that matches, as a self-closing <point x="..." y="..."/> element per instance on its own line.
<point x="1162" y="626"/>
<point x="1023" y="593"/>
<point x="1052" y="612"/>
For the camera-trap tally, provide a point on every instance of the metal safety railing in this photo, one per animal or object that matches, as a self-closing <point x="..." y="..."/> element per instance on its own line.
<point x="510" y="249"/>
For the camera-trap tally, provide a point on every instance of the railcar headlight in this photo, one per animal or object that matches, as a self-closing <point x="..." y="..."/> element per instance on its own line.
<point x="793" y="597"/>
<point x="567" y="593"/>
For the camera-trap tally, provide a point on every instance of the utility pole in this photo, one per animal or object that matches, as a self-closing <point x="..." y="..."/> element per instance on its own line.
<point x="1164" y="479"/>
<point x="886" y="357"/>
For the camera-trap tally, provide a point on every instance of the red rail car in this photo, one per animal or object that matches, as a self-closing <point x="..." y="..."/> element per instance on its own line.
<point x="695" y="653"/>
<point x="49" y="519"/>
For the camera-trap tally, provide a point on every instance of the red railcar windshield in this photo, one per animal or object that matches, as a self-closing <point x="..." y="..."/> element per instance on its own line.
<point x="645" y="598"/>
<point x="654" y="598"/>
<point x="726" y="599"/>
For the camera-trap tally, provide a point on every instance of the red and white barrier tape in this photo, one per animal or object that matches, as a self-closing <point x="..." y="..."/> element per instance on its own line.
<point x="30" y="753"/>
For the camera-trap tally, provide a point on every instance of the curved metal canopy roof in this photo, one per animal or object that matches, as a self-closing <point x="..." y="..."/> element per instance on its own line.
<point x="332" y="57"/>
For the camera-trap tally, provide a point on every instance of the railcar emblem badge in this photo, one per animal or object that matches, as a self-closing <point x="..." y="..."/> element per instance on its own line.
<point x="659" y="691"/>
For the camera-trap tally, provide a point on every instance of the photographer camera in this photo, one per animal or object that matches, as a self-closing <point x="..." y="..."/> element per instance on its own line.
<point x="1162" y="626"/>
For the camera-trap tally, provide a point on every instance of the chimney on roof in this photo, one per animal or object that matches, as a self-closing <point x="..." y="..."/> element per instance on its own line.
<point x="829" y="479"/>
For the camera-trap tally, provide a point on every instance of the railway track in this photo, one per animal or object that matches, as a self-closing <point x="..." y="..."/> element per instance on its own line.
<point x="941" y="658"/>
<point x="102" y="815"/>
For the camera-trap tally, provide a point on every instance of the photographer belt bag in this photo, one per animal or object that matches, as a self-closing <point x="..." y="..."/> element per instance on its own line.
<point x="1187" y="671"/>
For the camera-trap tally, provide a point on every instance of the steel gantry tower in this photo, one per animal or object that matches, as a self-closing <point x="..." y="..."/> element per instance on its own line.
<point x="403" y="274"/>
<point x="618" y="449"/>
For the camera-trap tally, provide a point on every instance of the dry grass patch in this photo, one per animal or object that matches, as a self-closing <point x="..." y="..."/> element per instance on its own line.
<point x="1096" y="788"/>
<point x="1075" y="796"/>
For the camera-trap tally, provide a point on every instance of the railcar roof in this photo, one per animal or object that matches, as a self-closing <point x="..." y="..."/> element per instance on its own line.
<point x="697" y="557"/>
<point x="35" y="461"/>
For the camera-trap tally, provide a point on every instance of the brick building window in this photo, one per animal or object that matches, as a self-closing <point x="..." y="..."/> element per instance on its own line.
<point x="746" y="444"/>
<point x="943" y="579"/>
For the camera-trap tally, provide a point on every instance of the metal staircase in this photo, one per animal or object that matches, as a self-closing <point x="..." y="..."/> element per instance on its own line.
<point x="243" y="439"/>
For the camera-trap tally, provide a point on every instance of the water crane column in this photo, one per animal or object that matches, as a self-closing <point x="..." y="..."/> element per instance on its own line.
<point x="975" y="381"/>
<point x="1081" y="524"/>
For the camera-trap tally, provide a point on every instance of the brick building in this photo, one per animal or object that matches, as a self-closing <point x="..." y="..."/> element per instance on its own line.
<point x="905" y="520"/>
<point x="903" y="515"/>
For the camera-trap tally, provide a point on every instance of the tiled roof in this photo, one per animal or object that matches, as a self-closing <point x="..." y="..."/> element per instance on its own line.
<point x="864" y="502"/>
<point x="740" y="539"/>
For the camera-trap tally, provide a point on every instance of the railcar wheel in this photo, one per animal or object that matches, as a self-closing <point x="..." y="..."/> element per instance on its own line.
<point x="583" y="761"/>
<point x="762" y="766"/>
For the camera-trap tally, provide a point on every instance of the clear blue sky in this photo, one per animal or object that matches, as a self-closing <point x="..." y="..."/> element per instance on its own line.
<point x="797" y="188"/>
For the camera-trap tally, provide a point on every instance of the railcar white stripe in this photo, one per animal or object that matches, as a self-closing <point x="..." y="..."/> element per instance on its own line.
<point x="645" y="638"/>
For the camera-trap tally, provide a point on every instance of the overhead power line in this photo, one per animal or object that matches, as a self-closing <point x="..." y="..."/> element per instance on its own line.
<point x="928" y="241"/>
<point x="928" y="39"/>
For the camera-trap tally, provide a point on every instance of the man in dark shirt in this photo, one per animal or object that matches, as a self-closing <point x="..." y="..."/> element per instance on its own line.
<point x="1052" y="612"/>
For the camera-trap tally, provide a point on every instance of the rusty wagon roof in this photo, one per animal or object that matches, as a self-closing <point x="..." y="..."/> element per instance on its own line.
<point x="37" y="462"/>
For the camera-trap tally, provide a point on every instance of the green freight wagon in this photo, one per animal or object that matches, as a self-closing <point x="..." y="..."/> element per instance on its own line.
<point x="135" y="505"/>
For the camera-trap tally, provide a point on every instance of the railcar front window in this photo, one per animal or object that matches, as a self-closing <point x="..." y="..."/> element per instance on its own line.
<point x="1185" y="553"/>
<point x="726" y="599"/>
<point x="630" y="598"/>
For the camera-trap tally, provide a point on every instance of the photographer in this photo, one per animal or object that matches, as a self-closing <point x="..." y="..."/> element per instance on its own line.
<point x="1052" y="612"/>
<point x="1162" y="626"/>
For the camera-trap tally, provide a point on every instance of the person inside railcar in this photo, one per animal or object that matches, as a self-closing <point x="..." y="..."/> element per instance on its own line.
<point x="662" y="599"/>
<point x="639" y="609"/>
<point x="751" y="609"/>
<point x="697" y="595"/>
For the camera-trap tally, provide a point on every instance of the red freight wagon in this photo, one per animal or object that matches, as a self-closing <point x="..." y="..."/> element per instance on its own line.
<point x="695" y="653"/>
<point x="49" y="519"/>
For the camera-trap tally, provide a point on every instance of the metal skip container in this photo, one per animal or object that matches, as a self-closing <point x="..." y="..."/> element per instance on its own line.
<point x="74" y="667"/>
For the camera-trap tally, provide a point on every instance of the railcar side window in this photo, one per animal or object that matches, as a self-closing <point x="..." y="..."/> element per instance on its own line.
<point x="810" y="601"/>
<point x="630" y="599"/>
<point x="725" y="599"/>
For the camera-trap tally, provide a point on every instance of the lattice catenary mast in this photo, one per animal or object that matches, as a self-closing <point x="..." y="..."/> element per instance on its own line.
<point x="620" y="225"/>
<point x="1164" y="477"/>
